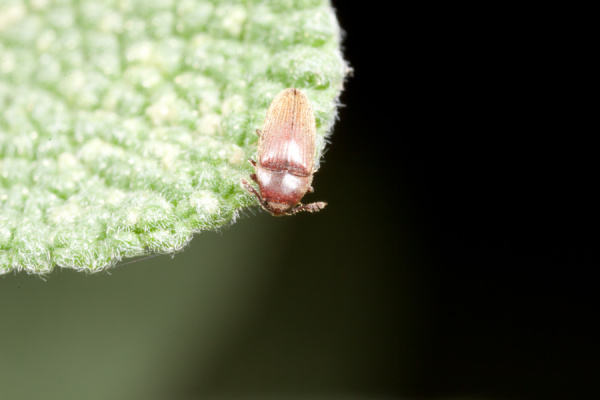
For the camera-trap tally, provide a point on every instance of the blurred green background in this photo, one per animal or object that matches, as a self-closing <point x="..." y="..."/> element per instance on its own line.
<point x="312" y="305"/>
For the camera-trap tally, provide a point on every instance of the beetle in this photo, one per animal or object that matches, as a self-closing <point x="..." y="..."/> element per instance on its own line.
<point x="286" y="156"/>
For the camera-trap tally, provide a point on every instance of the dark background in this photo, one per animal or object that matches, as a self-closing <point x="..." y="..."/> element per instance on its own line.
<point x="454" y="259"/>
<point x="464" y="126"/>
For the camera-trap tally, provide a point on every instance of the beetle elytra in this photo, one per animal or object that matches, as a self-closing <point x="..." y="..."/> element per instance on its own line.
<point x="286" y="156"/>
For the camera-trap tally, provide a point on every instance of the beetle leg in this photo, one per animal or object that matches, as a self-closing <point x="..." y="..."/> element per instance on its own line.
<point x="310" y="189"/>
<point x="253" y="191"/>
<point x="258" y="132"/>
<point x="254" y="178"/>
<point x="312" y="207"/>
<point x="251" y="161"/>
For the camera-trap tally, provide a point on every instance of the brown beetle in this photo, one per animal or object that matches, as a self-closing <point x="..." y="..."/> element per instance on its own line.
<point x="286" y="156"/>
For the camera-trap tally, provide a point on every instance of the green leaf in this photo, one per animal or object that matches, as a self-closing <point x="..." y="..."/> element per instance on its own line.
<point x="125" y="125"/>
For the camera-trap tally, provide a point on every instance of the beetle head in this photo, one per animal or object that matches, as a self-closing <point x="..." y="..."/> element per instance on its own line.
<point x="276" y="209"/>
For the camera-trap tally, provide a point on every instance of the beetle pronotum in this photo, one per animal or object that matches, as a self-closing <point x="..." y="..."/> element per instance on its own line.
<point x="286" y="156"/>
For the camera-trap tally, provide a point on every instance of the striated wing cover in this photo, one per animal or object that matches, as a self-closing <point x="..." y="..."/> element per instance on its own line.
<point x="288" y="136"/>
